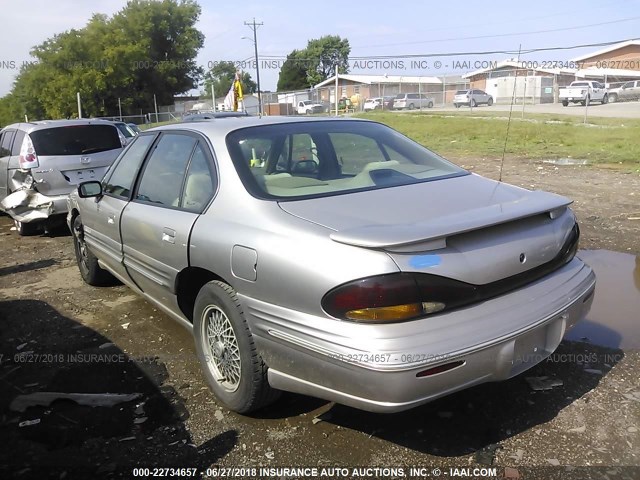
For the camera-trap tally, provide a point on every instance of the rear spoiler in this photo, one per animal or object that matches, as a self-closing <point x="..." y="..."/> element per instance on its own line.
<point x="437" y="230"/>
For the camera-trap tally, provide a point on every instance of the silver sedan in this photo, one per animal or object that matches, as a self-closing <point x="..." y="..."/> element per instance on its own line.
<point x="333" y="257"/>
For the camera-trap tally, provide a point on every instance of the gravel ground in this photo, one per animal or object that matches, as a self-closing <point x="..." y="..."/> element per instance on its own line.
<point x="59" y="335"/>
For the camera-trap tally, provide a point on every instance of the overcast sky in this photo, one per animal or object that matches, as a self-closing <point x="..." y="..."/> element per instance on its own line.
<point x="373" y="27"/>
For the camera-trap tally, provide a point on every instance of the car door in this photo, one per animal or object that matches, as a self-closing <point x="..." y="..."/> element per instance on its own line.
<point x="175" y="186"/>
<point x="101" y="217"/>
<point x="6" y="140"/>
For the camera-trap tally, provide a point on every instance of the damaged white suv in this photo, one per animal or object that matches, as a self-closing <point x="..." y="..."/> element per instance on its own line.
<point x="41" y="162"/>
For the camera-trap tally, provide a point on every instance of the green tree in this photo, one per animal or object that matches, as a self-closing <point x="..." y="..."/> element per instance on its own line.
<point x="324" y="54"/>
<point x="317" y="62"/>
<point x="293" y="73"/>
<point x="222" y="75"/>
<point x="148" y="47"/>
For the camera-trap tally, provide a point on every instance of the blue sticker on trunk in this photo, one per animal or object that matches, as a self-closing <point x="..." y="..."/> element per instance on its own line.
<point x="423" y="261"/>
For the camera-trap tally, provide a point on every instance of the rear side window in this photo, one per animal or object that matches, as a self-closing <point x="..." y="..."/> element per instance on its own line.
<point x="198" y="187"/>
<point x="5" y="145"/>
<point x="162" y="178"/>
<point x="17" y="143"/>
<point x="124" y="173"/>
<point x="75" y="140"/>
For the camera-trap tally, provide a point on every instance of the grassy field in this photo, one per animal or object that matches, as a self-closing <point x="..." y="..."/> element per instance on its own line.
<point x="147" y="126"/>
<point x="604" y="140"/>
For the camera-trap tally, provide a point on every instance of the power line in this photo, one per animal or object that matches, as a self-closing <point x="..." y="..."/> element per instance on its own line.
<point x="502" y="35"/>
<point x="459" y="54"/>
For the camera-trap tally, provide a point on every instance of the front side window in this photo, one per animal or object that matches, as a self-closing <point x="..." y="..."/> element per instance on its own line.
<point x="305" y="159"/>
<point x="162" y="178"/>
<point x="121" y="179"/>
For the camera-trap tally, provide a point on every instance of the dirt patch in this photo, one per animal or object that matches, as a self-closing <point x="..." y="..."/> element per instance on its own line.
<point x="50" y="321"/>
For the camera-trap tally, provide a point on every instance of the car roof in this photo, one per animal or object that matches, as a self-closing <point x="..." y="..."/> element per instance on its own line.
<point x="236" y="123"/>
<point x="44" y="124"/>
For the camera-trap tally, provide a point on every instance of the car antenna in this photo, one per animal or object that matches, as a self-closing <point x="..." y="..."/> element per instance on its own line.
<point x="513" y="97"/>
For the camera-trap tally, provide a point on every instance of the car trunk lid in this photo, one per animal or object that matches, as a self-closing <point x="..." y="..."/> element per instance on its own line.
<point x="425" y="227"/>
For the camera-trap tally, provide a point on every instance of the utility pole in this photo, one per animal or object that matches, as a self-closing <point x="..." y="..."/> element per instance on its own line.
<point x="254" y="26"/>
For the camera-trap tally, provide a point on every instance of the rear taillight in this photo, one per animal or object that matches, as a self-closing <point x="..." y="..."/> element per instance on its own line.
<point x="570" y="247"/>
<point x="396" y="297"/>
<point x="402" y="296"/>
<point x="28" y="158"/>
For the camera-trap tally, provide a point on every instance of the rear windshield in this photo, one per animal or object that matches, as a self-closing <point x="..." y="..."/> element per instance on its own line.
<point x="401" y="95"/>
<point x="462" y="92"/>
<point x="306" y="159"/>
<point x="579" y="84"/>
<point x="75" y="140"/>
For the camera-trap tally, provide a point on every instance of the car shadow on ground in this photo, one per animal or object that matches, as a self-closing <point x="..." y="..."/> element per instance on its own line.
<point x="27" y="267"/>
<point x="48" y="433"/>
<point x="476" y="420"/>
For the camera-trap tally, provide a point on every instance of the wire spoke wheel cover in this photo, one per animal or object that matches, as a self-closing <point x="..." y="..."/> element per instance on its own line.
<point x="222" y="348"/>
<point x="231" y="364"/>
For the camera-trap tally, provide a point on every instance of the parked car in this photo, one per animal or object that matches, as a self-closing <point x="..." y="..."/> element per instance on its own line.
<point x="625" y="92"/>
<point x="379" y="103"/>
<point x="372" y="104"/>
<point x="290" y="280"/>
<point x="41" y="162"/>
<point x="412" y="100"/>
<point x="134" y="127"/>
<point x="127" y="132"/>
<point x="197" y="117"/>
<point x="388" y="102"/>
<point x="472" y="97"/>
<point x="583" y="91"/>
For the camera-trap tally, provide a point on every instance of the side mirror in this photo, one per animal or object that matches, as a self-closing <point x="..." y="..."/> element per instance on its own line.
<point x="90" y="189"/>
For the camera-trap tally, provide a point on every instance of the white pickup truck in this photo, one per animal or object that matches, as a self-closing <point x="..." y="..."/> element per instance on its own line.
<point x="584" y="91"/>
<point x="305" y="107"/>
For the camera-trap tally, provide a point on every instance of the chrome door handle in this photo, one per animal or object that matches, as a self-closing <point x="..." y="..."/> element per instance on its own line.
<point x="111" y="219"/>
<point x="169" y="235"/>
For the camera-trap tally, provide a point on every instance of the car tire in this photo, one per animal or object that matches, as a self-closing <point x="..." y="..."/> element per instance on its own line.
<point x="473" y="103"/>
<point x="457" y="105"/>
<point x="411" y="106"/>
<point x="27" y="229"/>
<point x="565" y="103"/>
<point x="234" y="370"/>
<point x="92" y="273"/>
<point x="490" y="102"/>
<point x="430" y="105"/>
<point x="605" y="99"/>
<point x="612" y="98"/>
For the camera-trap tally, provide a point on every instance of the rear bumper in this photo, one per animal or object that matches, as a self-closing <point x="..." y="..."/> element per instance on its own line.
<point x="29" y="206"/>
<point x="374" y="367"/>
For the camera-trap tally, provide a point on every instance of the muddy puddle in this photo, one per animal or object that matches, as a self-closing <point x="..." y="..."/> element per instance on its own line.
<point x="614" y="319"/>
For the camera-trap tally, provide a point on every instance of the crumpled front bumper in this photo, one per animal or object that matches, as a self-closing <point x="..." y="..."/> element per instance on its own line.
<point x="28" y="205"/>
